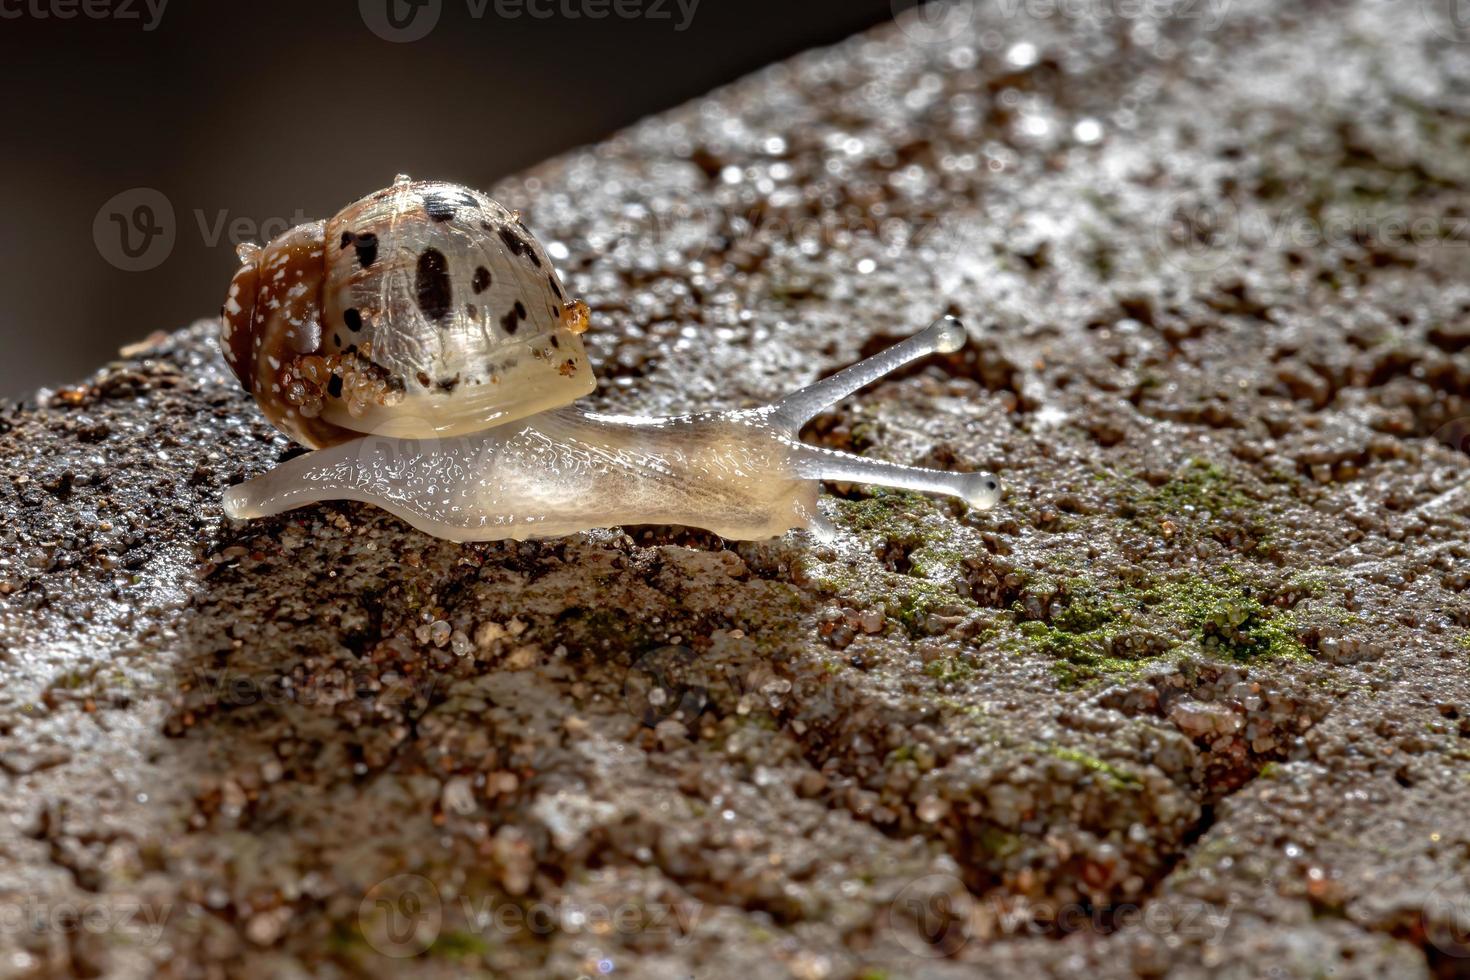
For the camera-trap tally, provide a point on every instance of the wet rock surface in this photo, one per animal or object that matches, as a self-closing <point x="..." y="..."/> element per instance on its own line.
<point x="1194" y="699"/>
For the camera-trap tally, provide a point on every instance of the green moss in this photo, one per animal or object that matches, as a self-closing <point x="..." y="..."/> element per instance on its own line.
<point x="758" y="719"/>
<point x="907" y="599"/>
<point x="1088" y="649"/>
<point x="1311" y="581"/>
<point x="949" y="670"/>
<point x="1000" y="843"/>
<point x="1198" y="486"/>
<point x="833" y="578"/>
<point x="899" y="515"/>
<point x="344" y="940"/>
<point x="1229" y="620"/>
<point x="934" y="562"/>
<point x="1081" y="637"/>
<point x="1222" y="616"/>
<point x="913" y="523"/>
<point x="959" y="707"/>
<point x="1201" y="497"/>
<point x="454" y="945"/>
<point x="911" y="601"/>
<point x="1082" y="670"/>
<point x="71" y="680"/>
<point x="1087" y="611"/>
<point x="862" y="436"/>
<point x="595" y="628"/>
<point x="1099" y="255"/>
<point x="1111" y="776"/>
<point x="1207" y="854"/>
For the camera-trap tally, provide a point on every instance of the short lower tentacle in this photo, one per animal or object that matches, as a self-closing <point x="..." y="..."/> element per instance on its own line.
<point x="979" y="490"/>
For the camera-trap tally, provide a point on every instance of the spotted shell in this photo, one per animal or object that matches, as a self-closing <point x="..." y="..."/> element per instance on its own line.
<point x="423" y="310"/>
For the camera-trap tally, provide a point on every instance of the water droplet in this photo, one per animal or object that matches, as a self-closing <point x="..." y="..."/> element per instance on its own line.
<point x="1087" y="131"/>
<point x="1022" y="54"/>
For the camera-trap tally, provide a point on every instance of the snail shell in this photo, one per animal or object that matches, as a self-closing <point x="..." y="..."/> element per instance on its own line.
<point x="423" y="310"/>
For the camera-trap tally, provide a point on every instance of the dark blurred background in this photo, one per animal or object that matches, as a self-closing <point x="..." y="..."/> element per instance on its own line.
<point x="237" y="113"/>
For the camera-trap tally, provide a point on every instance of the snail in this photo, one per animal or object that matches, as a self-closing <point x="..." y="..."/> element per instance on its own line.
<point x="422" y="345"/>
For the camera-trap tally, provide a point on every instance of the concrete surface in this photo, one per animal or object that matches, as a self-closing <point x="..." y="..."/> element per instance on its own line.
<point x="1193" y="700"/>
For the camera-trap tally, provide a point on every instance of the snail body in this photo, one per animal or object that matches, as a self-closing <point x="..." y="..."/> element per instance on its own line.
<point x="503" y="452"/>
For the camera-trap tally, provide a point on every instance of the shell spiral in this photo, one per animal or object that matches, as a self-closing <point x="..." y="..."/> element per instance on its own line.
<point x="423" y="310"/>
